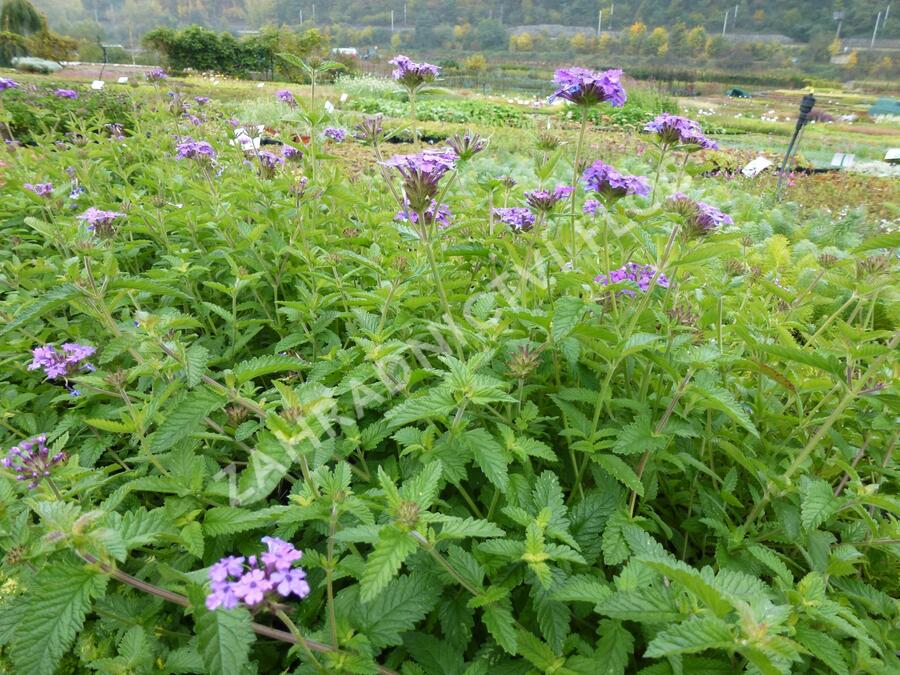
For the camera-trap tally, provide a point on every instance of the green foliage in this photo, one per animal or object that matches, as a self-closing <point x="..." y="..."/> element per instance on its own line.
<point x="491" y="460"/>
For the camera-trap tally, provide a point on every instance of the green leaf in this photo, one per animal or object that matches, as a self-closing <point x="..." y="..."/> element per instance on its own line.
<point x="823" y="647"/>
<point x="649" y="605"/>
<point x="266" y="365"/>
<point x="536" y="652"/>
<point x="770" y="559"/>
<point x="691" y="637"/>
<point x="192" y="536"/>
<point x="197" y="357"/>
<point x="691" y="579"/>
<point x="112" y="426"/>
<point x="405" y="601"/>
<point x="582" y="588"/>
<point x="57" y="297"/>
<point x="438" y="402"/>
<point x="453" y="527"/>
<point x="817" y="503"/>
<point x="888" y="241"/>
<point x="615" y="548"/>
<point x="614" y="648"/>
<point x="231" y="519"/>
<point x="145" y="286"/>
<point x="269" y="463"/>
<point x="618" y="469"/>
<point x="489" y="455"/>
<point x="184" y="419"/>
<point x="567" y="314"/>
<point x="55" y="613"/>
<point x="637" y="437"/>
<point x="224" y="638"/>
<point x="720" y="398"/>
<point x="393" y="547"/>
<point x="636" y="343"/>
<point x="499" y="621"/>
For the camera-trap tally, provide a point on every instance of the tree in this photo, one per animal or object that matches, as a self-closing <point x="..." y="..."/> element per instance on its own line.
<point x="476" y="63"/>
<point x="658" y="41"/>
<point x="696" y="40"/>
<point x="490" y="34"/>
<point x="20" y="16"/>
<point x="579" y="42"/>
<point x="636" y="35"/>
<point x="523" y="42"/>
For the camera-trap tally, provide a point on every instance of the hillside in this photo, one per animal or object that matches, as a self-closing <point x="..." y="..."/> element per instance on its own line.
<point x="798" y="19"/>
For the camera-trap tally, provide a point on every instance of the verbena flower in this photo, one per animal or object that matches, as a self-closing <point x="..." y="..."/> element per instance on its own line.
<point x="156" y="75"/>
<point x="519" y="219"/>
<point x="591" y="206"/>
<point x="700" y="218"/>
<point x="435" y="213"/>
<point x="467" y="145"/>
<point x="335" y="134"/>
<point x="641" y="275"/>
<point x="255" y="579"/>
<point x="100" y="221"/>
<point x="269" y="160"/>
<point x="292" y="153"/>
<point x="199" y="150"/>
<point x="40" y="189"/>
<point x="421" y="174"/>
<point x="193" y="119"/>
<point x="66" y="93"/>
<point x="610" y="184"/>
<point x="31" y="460"/>
<point x="544" y="200"/>
<point x="202" y="100"/>
<point x="76" y="193"/>
<point x="6" y="83"/>
<point x="62" y="364"/>
<point x="413" y="75"/>
<point x="370" y="130"/>
<point x="586" y="87"/>
<point x="286" y="96"/>
<point x="673" y="129"/>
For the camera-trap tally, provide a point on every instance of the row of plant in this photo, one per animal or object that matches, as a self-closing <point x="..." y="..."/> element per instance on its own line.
<point x="482" y="408"/>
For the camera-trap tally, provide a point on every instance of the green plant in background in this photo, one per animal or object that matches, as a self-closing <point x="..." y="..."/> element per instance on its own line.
<point x="310" y="418"/>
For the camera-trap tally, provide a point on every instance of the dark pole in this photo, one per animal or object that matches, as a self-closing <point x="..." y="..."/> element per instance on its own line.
<point x="806" y="106"/>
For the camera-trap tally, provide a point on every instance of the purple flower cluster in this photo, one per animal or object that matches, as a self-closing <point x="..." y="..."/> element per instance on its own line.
<point x="199" y="150"/>
<point x="433" y="214"/>
<point x="6" y="83"/>
<point x="40" y="189"/>
<point x="421" y="174"/>
<point x="202" y="100"/>
<point x="467" y="145"/>
<point x="290" y="152"/>
<point x="66" y="93"/>
<point x="269" y="160"/>
<point x="519" y="219"/>
<point x="673" y="129"/>
<point x="193" y="119"/>
<point x="156" y="75"/>
<point x="285" y="96"/>
<point x="641" y="275"/>
<point x="61" y="364"/>
<point x="610" y="184"/>
<point x="100" y="221"/>
<point x="413" y="75"/>
<point x="236" y="579"/>
<point x="591" y="206"/>
<point x="544" y="200"/>
<point x="31" y="460"/>
<point x="702" y="218"/>
<point x="586" y="87"/>
<point x="335" y="134"/>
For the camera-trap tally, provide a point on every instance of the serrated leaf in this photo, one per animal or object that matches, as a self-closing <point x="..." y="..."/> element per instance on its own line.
<point x="231" y="519"/>
<point x="405" y="601"/>
<point x="823" y="647"/>
<point x="691" y="637"/>
<point x="817" y="503"/>
<point x="184" y="419"/>
<point x="196" y="359"/>
<point x="266" y="365"/>
<point x="57" y="297"/>
<point x="721" y="399"/>
<point x="691" y="579"/>
<point x="567" y="313"/>
<point x="490" y="457"/>
<point x="770" y="559"/>
<point x="56" y="610"/>
<point x="618" y="469"/>
<point x="192" y="536"/>
<point x="499" y="621"/>
<point x="438" y="402"/>
<point x="615" y="548"/>
<point x="453" y="527"/>
<point x="637" y="437"/>
<point x="112" y="426"/>
<point x="614" y="648"/>
<point x="224" y="638"/>
<point x="382" y="565"/>
<point x="649" y="605"/>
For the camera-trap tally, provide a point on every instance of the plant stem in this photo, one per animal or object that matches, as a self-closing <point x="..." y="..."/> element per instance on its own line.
<point x="329" y="575"/>
<point x="286" y="620"/>
<point x="575" y="164"/>
<point x="659" y="163"/>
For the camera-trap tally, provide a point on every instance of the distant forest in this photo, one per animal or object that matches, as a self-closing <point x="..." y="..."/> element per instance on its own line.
<point x="802" y="20"/>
